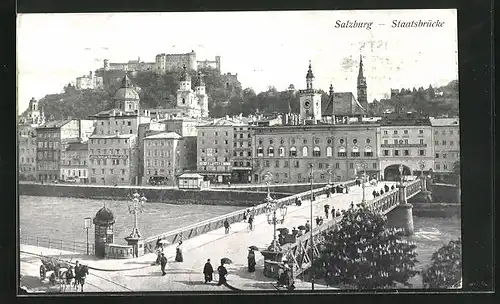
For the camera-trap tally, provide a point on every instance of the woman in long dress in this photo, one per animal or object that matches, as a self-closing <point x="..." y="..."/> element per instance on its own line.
<point x="178" y="253"/>
<point x="251" y="260"/>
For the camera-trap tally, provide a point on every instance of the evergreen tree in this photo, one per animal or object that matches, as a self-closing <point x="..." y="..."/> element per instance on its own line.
<point x="362" y="253"/>
<point x="446" y="268"/>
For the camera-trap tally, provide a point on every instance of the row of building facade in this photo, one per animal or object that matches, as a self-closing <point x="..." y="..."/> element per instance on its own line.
<point x="129" y="145"/>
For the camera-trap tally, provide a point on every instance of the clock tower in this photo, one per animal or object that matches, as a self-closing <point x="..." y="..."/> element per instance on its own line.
<point x="310" y="100"/>
<point x="362" y="95"/>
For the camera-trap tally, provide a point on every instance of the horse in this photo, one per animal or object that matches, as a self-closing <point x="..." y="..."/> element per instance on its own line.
<point x="65" y="278"/>
<point x="80" y="276"/>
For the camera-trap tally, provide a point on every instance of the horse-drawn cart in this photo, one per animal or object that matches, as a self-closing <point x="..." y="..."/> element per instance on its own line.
<point x="51" y="264"/>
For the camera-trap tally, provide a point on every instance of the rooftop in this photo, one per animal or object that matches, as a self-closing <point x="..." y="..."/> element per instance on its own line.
<point x="444" y="122"/>
<point x="77" y="147"/>
<point x="114" y="112"/>
<point x="164" y="135"/>
<point x="54" y="124"/>
<point x="112" y="136"/>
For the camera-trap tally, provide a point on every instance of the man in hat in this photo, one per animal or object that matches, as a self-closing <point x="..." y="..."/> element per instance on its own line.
<point x="251" y="260"/>
<point x="327" y="209"/>
<point x="222" y="273"/>
<point x="308" y="226"/>
<point x="163" y="263"/>
<point x="208" y="271"/>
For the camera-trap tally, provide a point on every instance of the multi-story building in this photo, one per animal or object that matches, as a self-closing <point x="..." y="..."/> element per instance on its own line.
<point x="27" y="152"/>
<point x="187" y="129"/>
<point x="193" y="103"/>
<point x="405" y="138"/>
<point x="51" y="138"/>
<point x="113" y="159"/>
<point x="446" y="147"/>
<point x="337" y="152"/>
<point x="74" y="162"/>
<point x="162" y="158"/>
<point x="215" y="149"/>
<point x="145" y="130"/>
<point x="90" y="81"/>
<point x="242" y="153"/>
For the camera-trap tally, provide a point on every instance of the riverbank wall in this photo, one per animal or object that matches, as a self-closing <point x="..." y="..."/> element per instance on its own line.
<point x="233" y="197"/>
<point x="436" y="210"/>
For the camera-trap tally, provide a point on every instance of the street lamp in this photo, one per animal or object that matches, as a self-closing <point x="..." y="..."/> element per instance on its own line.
<point x="362" y="165"/>
<point x="87" y="224"/>
<point x="271" y="209"/>
<point x="311" y="223"/>
<point x="421" y="164"/>
<point x="135" y="206"/>
<point x="330" y="173"/>
<point x="401" y="173"/>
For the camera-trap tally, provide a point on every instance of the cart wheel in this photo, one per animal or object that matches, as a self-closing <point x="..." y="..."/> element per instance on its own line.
<point x="42" y="272"/>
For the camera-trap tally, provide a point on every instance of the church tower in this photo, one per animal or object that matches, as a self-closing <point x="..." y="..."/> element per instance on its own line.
<point x="126" y="98"/>
<point x="185" y="95"/>
<point x="201" y="95"/>
<point x="310" y="100"/>
<point x="362" y="95"/>
<point x="34" y="116"/>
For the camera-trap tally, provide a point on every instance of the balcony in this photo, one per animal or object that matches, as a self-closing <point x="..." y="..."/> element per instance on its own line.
<point x="403" y="146"/>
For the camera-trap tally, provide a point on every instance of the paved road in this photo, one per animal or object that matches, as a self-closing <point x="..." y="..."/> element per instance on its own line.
<point x="187" y="276"/>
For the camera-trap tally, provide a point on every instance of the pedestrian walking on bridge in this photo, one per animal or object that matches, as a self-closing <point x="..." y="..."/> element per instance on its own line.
<point x="308" y="226"/>
<point x="208" y="271"/>
<point x="163" y="263"/>
<point x="178" y="253"/>
<point x="222" y="273"/>
<point x="226" y="226"/>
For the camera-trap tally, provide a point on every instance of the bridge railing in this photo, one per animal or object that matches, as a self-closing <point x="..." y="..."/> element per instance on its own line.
<point x="412" y="188"/>
<point x="233" y="217"/>
<point x="300" y="251"/>
<point x="50" y="243"/>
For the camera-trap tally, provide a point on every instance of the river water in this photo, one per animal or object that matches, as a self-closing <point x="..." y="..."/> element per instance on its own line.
<point x="63" y="218"/>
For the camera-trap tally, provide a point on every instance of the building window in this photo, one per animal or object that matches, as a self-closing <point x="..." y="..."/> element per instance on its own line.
<point x="421" y="152"/>
<point x="421" y="141"/>
<point x="406" y="152"/>
<point x="405" y="132"/>
<point x="444" y="155"/>
<point x="368" y="154"/>
<point x="316" y="141"/>
<point x="226" y="142"/>
<point x="286" y="164"/>
<point x="329" y="151"/>
<point x="385" y="132"/>
<point x="451" y="142"/>
<point x="395" y="132"/>
<point x="260" y="151"/>
<point x="396" y="152"/>
<point x="216" y="141"/>
<point x="320" y="166"/>
<point x="281" y="151"/>
<point x="355" y="141"/>
<point x="248" y="164"/>
<point x="436" y="142"/>
<point x="420" y="131"/>
<point x="437" y="166"/>
<point x="277" y="165"/>
<point x="444" y="142"/>
<point x="445" y="167"/>
<point x="271" y="141"/>
<point x="304" y="151"/>
<point x="235" y="164"/>
<point x="296" y="164"/>
<point x="374" y="166"/>
<point x="351" y="166"/>
<point x="267" y="164"/>
<point x="368" y="140"/>
<point x="355" y="154"/>
<point x="270" y="151"/>
<point x="337" y="165"/>
<point x="316" y="152"/>
<point x="437" y="155"/>
<point x="293" y="151"/>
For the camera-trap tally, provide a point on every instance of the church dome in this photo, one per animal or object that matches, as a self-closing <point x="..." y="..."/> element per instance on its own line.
<point x="126" y="92"/>
<point x="104" y="216"/>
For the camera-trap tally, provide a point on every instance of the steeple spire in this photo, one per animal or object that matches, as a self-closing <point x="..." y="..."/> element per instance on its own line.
<point x="360" y="73"/>
<point x="125" y="82"/>
<point x="309" y="72"/>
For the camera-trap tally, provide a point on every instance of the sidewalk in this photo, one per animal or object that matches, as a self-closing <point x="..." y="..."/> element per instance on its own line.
<point x="138" y="274"/>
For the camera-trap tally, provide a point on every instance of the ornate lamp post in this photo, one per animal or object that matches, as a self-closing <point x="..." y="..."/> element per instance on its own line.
<point x="401" y="173"/>
<point x="87" y="224"/>
<point x="272" y="208"/>
<point x="311" y="223"/>
<point x="421" y="164"/>
<point x="362" y="165"/>
<point x="136" y="206"/>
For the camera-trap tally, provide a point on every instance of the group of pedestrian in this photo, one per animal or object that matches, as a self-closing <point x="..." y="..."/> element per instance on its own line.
<point x="208" y="272"/>
<point x="249" y="215"/>
<point x="386" y="189"/>
<point x="284" y="276"/>
<point x="161" y="259"/>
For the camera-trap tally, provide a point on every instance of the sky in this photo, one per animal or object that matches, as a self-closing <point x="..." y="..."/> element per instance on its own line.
<point x="265" y="48"/>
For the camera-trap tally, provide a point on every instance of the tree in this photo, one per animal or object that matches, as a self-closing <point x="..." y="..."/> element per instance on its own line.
<point x="446" y="268"/>
<point x="364" y="254"/>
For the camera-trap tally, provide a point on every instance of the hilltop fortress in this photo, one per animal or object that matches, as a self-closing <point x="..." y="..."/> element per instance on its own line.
<point x="113" y="71"/>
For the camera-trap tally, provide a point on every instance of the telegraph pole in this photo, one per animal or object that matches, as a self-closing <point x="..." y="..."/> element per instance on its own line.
<point x="312" y="239"/>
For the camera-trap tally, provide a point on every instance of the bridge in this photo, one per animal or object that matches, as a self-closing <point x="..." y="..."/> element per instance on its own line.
<point x="207" y="240"/>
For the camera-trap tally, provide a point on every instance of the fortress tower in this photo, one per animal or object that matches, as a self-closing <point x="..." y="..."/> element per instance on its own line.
<point x="362" y="95"/>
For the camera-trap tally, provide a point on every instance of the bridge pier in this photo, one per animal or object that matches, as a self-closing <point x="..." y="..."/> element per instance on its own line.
<point x="402" y="215"/>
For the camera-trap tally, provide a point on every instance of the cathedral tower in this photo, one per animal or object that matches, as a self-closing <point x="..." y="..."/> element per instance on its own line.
<point x="201" y="95"/>
<point x="126" y="98"/>
<point x="310" y="100"/>
<point x="34" y="116"/>
<point x="185" y="95"/>
<point x="362" y="95"/>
